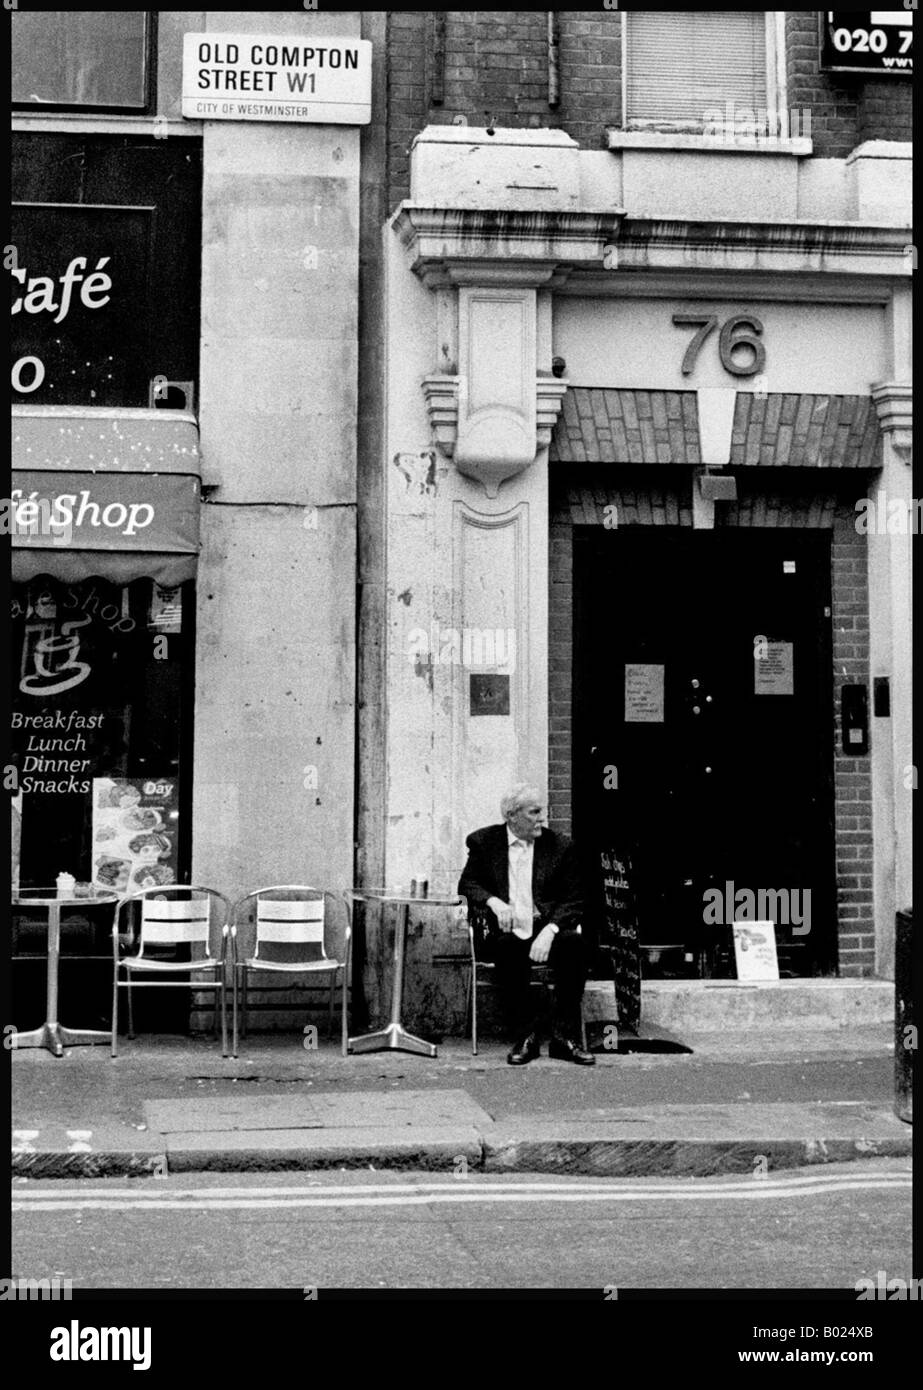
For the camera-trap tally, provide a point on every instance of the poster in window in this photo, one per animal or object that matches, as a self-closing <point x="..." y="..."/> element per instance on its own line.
<point x="134" y="833"/>
<point x="755" y="951"/>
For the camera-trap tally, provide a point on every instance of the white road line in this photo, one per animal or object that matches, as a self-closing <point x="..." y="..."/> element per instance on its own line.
<point x="759" y="1191"/>
<point x="741" y="1183"/>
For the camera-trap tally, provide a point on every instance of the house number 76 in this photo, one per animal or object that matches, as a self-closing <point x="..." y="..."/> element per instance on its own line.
<point x="742" y="331"/>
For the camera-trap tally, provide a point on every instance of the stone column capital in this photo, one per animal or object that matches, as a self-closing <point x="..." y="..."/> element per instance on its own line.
<point x="894" y="403"/>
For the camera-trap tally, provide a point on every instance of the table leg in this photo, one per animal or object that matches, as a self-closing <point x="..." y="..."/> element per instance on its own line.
<point x="52" y="1034"/>
<point x="395" y="1038"/>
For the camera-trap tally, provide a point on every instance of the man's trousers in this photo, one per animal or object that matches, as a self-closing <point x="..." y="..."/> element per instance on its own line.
<point x="513" y="968"/>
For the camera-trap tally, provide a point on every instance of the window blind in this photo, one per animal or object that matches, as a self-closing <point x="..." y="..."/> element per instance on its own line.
<point x="680" y="64"/>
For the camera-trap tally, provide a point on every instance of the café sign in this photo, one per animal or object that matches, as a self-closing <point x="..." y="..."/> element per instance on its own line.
<point x="79" y="283"/>
<point x="249" y="77"/>
<point x="102" y="511"/>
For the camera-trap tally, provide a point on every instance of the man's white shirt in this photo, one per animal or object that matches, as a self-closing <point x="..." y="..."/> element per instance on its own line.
<point x="521" y="854"/>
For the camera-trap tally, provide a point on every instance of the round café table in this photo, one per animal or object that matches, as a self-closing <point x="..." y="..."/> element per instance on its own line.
<point x="52" y="1034"/>
<point x="394" y="1037"/>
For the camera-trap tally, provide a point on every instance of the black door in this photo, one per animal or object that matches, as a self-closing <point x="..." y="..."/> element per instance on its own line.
<point x="703" y="734"/>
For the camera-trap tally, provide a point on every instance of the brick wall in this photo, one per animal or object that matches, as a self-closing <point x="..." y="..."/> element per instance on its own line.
<point x="496" y="68"/>
<point x="852" y="776"/>
<point x="655" y="506"/>
<point x="885" y="109"/>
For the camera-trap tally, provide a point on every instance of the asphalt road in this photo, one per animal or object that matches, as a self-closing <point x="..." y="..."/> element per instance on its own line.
<point x="816" y="1228"/>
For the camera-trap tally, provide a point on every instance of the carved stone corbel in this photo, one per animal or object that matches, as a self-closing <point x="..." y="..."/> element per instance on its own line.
<point x="894" y="403"/>
<point x="440" y="392"/>
<point x="496" y="460"/>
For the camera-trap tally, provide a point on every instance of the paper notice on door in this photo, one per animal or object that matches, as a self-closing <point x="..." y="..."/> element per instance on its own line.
<point x="644" y="694"/>
<point x="773" y="668"/>
<point x="755" y="950"/>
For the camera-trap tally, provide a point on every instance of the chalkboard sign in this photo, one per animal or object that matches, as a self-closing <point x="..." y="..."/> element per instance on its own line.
<point x="620" y="935"/>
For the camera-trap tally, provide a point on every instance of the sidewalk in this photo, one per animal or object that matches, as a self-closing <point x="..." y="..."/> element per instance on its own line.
<point x="736" y="1103"/>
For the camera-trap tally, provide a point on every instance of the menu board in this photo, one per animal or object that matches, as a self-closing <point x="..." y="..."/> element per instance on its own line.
<point x="620" y="936"/>
<point x="755" y="951"/>
<point x="134" y="833"/>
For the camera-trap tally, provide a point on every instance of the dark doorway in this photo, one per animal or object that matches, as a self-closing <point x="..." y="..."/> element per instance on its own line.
<point x="709" y="761"/>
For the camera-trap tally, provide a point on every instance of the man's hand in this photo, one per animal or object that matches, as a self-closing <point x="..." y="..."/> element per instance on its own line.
<point x="542" y="945"/>
<point x="503" y="913"/>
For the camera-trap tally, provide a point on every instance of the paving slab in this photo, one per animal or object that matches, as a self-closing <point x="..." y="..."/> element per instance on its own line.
<point x="367" y="1110"/>
<point x="847" y="1120"/>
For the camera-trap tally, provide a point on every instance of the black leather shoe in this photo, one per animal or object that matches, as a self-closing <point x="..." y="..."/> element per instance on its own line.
<point x="524" y="1052"/>
<point x="563" y="1050"/>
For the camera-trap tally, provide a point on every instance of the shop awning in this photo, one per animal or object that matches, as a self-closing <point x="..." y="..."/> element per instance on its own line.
<point x="113" y="493"/>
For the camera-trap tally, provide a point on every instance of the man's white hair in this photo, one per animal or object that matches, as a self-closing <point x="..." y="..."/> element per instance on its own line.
<point x="517" y="796"/>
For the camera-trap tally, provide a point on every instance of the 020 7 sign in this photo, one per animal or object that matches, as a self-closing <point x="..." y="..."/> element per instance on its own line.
<point x="879" y="41"/>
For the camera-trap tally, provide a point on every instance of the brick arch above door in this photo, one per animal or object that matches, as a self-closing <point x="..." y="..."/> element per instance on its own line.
<point x="611" y="425"/>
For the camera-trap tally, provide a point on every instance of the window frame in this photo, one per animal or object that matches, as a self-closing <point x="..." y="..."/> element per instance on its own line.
<point x="60" y="109"/>
<point x="776" y="89"/>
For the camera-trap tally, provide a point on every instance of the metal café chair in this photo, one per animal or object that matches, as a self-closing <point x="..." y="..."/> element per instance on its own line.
<point x="479" y="972"/>
<point x="296" y="922"/>
<point x="175" y="923"/>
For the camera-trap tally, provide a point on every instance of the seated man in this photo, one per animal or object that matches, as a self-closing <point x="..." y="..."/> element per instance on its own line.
<point x="526" y="884"/>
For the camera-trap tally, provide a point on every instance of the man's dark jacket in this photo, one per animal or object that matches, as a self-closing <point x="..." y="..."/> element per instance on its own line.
<point x="557" y="892"/>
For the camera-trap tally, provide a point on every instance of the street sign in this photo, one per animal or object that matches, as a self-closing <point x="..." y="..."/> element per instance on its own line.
<point x="867" y="41"/>
<point x="251" y="77"/>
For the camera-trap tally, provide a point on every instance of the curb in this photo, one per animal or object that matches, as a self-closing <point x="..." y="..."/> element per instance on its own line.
<point x="692" y="1158"/>
<point x="103" y="1163"/>
<point x="601" y="1156"/>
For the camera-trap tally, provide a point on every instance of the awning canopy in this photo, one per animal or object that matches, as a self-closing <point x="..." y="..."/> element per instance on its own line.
<point x="113" y="493"/>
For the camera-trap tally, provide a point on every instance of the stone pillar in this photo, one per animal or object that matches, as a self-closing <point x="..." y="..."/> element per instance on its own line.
<point x="890" y="523"/>
<point x="467" y="588"/>
<point x="275" y="663"/>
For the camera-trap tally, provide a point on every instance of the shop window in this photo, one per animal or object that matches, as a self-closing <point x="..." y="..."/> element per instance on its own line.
<point x="681" y="67"/>
<point x="86" y="60"/>
<point x="100" y="729"/>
